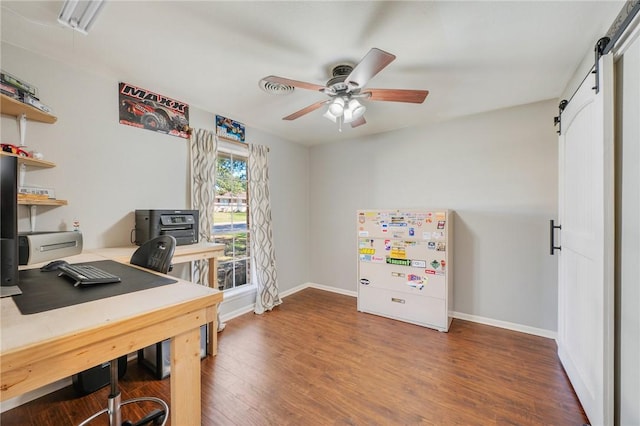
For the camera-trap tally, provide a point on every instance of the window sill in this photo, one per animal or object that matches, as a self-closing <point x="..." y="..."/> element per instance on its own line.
<point x="236" y="293"/>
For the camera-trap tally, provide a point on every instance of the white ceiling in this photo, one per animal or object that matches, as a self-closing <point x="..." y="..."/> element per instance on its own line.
<point x="472" y="56"/>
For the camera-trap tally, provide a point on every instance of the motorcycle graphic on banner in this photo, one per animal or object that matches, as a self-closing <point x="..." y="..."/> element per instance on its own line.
<point x="149" y="110"/>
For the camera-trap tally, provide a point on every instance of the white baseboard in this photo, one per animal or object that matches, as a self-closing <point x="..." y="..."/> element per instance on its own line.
<point x="333" y="289"/>
<point x="241" y="311"/>
<point x="35" y="394"/>
<point x="250" y="308"/>
<point x="506" y="325"/>
<point x="45" y="390"/>
<point x="319" y="287"/>
<point x="294" y="290"/>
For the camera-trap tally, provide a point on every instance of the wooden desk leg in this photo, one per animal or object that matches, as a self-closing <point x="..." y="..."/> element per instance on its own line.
<point x="213" y="272"/>
<point x="212" y="344"/>
<point x="185" y="379"/>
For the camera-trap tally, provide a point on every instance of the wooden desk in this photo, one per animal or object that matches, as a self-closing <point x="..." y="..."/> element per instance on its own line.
<point x="41" y="348"/>
<point x="183" y="254"/>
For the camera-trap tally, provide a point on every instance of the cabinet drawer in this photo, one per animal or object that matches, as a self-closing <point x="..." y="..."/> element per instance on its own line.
<point x="404" y="279"/>
<point x="421" y="310"/>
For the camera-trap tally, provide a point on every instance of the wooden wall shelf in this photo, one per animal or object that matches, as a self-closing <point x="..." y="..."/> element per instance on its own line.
<point x="42" y="202"/>
<point x="30" y="161"/>
<point x="23" y="113"/>
<point x="10" y="106"/>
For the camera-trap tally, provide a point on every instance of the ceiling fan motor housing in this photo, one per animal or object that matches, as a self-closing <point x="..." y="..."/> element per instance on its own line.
<point x="341" y="70"/>
<point x="339" y="73"/>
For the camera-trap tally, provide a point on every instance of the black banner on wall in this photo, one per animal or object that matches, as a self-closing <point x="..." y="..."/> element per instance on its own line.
<point x="149" y="110"/>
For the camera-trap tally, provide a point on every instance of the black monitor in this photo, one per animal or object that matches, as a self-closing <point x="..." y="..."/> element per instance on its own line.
<point x="8" y="221"/>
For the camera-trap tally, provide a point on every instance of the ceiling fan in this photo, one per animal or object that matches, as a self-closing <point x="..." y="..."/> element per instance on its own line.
<point x="346" y="88"/>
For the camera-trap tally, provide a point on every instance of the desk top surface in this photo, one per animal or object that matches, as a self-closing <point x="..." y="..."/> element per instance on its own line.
<point x="20" y="332"/>
<point x="124" y="253"/>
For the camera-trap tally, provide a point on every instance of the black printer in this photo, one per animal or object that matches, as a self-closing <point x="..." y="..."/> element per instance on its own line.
<point x="181" y="224"/>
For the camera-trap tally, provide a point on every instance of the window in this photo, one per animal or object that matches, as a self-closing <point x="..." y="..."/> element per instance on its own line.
<point x="231" y="218"/>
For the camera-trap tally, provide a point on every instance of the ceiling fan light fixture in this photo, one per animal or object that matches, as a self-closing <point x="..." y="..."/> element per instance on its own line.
<point x="356" y="108"/>
<point x="348" y="115"/>
<point x="330" y="116"/>
<point x="336" y="107"/>
<point x="353" y="111"/>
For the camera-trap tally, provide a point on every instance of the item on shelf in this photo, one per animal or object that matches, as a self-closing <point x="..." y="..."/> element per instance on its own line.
<point x="13" y="149"/>
<point x="36" y="247"/>
<point x="14" y="81"/>
<point x="30" y="100"/>
<point x="10" y="91"/>
<point x="37" y="155"/>
<point x="46" y="193"/>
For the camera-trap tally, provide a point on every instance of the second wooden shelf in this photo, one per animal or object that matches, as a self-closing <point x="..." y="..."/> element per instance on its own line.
<point x="30" y="161"/>
<point x="42" y="202"/>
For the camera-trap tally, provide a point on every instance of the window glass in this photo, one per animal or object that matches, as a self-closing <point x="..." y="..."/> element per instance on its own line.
<point x="231" y="220"/>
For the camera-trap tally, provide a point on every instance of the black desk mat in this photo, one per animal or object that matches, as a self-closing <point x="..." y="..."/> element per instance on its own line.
<point x="43" y="291"/>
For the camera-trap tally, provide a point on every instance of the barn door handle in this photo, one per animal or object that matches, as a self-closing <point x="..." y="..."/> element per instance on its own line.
<point x="552" y="243"/>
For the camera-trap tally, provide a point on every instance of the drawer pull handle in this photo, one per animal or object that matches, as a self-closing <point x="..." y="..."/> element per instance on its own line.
<point x="395" y="299"/>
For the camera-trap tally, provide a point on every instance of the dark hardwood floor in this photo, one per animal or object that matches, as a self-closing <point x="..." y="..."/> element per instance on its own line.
<point x="315" y="360"/>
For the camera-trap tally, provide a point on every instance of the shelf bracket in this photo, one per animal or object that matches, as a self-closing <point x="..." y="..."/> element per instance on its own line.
<point x="21" y="174"/>
<point x="22" y="125"/>
<point x="32" y="217"/>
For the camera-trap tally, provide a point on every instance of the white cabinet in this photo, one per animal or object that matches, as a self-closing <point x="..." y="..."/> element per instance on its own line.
<point x="404" y="265"/>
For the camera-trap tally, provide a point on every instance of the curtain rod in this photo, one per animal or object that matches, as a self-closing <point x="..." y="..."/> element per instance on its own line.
<point x="238" y="143"/>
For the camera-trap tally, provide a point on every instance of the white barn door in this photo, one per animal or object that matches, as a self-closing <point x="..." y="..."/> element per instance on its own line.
<point x="585" y="268"/>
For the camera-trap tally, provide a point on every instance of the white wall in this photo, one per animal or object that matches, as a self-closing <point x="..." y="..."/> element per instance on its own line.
<point x="497" y="170"/>
<point x="107" y="170"/>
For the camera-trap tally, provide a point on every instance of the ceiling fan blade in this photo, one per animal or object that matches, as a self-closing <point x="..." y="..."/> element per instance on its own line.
<point x="359" y="122"/>
<point x="305" y="110"/>
<point x="294" y="83"/>
<point x="397" y="95"/>
<point x="372" y="63"/>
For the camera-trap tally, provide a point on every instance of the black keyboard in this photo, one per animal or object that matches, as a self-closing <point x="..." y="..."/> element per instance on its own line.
<point x="87" y="275"/>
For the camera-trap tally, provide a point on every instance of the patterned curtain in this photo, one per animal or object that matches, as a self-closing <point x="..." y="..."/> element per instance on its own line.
<point x="264" y="261"/>
<point x="203" y="173"/>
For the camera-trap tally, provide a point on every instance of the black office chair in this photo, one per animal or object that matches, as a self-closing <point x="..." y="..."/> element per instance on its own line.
<point x="155" y="254"/>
